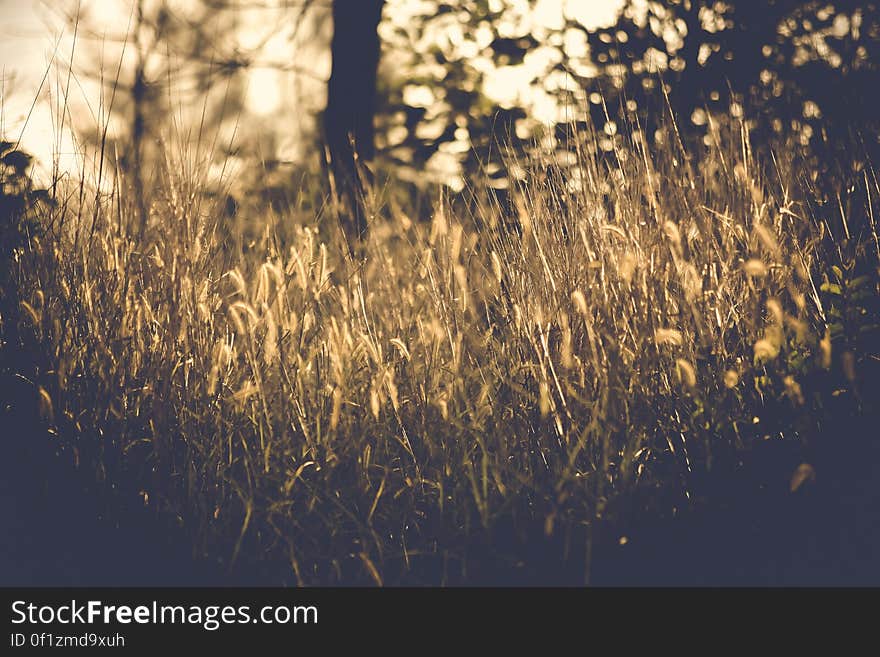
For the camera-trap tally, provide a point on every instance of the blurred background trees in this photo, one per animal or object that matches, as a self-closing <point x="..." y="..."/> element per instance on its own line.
<point x="458" y="82"/>
<point x="801" y="72"/>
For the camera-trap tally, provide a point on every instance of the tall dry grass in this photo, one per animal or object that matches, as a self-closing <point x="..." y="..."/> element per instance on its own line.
<point x="500" y="377"/>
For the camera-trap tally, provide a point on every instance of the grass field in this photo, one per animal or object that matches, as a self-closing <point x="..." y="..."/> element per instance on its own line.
<point x="503" y="392"/>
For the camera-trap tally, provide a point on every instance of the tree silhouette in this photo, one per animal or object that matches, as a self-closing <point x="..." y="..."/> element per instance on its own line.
<point x="351" y="106"/>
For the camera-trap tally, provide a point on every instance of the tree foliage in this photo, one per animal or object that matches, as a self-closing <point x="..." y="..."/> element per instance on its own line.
<point x="803" y="70"/>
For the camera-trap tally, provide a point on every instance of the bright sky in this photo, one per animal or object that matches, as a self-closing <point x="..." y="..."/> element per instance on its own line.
<point x="32" y="31"/>
<point x="26" y="47"/>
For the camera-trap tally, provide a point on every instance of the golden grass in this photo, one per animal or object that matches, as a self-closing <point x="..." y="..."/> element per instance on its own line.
<point x="353" y="420"/>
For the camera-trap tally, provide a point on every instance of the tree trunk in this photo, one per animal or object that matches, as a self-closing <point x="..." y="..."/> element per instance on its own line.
<point x="351" y="106"/>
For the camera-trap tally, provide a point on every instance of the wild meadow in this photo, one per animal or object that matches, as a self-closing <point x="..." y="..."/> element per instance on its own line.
<point x="498" y="388"/>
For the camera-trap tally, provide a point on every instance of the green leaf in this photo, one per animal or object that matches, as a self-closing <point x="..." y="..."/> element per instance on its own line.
<point x="832" y="288"/>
